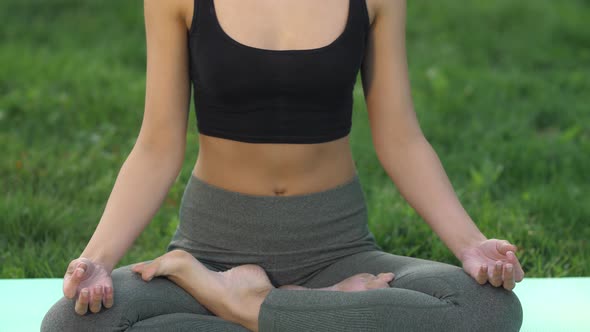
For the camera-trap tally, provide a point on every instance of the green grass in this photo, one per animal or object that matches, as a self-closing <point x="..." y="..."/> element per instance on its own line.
<point x="500" y="88"/>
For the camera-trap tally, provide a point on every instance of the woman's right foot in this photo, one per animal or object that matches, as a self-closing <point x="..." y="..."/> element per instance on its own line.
<point x="234" y="295"/>
<point x="356" y="283"/>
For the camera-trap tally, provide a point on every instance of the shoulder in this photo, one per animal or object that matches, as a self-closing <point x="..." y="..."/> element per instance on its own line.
<point x="179" y="10"/>
<point x="386" y="7"/>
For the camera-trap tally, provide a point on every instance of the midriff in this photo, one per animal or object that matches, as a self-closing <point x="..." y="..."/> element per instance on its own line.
<point x="274" y="169"/>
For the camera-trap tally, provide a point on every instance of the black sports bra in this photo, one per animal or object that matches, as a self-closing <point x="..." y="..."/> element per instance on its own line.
<point x="259" y="95"/>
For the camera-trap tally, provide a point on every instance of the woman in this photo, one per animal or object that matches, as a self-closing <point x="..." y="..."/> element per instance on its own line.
<point x="273" y="231"/>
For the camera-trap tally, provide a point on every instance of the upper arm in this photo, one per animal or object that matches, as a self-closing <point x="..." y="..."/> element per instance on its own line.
<point x="167" y="94"/>
<point x="384" y="75"/>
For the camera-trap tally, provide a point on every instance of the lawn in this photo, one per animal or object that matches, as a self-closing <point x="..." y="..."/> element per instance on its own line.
<point x="500" y="89"/>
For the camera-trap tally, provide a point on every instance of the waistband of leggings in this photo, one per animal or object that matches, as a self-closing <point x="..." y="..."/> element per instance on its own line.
<point x="222" y="219"/>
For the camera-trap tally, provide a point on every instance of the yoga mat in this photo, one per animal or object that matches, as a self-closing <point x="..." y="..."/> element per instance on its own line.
<point x="555" y="304"/>
<point x="549" y="304"/>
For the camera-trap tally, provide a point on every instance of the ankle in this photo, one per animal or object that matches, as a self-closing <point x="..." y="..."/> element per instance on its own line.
<point x="251" y="319"/>
<point x="246" y="310"/>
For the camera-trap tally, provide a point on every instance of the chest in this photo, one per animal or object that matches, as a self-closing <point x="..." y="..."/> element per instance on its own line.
<point x="223" y="67"/>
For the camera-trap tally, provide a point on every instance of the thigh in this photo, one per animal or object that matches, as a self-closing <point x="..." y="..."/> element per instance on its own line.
<point x="442" y="283"/>
<point x="187" y="322"/>
<point x="134" y="300"/>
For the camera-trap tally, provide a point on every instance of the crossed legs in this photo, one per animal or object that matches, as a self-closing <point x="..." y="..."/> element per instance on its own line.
<point x="352" y="294"/>
<point x="424" y="296"/>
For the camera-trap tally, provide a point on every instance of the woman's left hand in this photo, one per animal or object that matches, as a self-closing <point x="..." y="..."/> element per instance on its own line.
<point x="493" y="260"/>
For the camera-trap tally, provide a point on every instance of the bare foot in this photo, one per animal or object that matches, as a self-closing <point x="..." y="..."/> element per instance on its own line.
<point x="356" y="283"/>
<point x="234" y="295"/>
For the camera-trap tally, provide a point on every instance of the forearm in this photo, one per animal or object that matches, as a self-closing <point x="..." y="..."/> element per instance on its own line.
<point x="419" y="176"/>
<point x="139" y="190"/>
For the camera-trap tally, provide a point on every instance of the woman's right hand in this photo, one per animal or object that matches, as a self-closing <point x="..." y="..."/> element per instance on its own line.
<point x="90" y="284"/>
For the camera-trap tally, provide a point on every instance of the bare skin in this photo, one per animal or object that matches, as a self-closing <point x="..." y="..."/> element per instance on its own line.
<point x="278" y="169"/>
<point x="271" y="168"/>
<point x="237" y="294"/>
<point x="274" y="168"/>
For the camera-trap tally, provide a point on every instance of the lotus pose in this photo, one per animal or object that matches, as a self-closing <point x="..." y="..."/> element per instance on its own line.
<point x="273" y="232"/>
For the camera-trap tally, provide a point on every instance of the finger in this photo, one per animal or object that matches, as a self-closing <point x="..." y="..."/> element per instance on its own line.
<point x="508" y="276"/>
<point x="108" y="298"/>
<point x="71" y="268"/>
<point x="72" y="281"/>
<point x="81" y="306"/>
<point x="504" y="246"/>
<point x="518" y="272"/>
<point x="96" y="299"/>
<point x="482" y="274"/>
<point x="511" y="257"/>
<point x="496" y="278"/>
<point x="79" y="272"/>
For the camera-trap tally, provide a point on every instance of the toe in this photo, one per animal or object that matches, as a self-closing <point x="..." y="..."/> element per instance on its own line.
<point x="386" y="276"/>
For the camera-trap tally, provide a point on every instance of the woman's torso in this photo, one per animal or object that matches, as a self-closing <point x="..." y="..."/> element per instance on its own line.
<point x="277" y="168"/>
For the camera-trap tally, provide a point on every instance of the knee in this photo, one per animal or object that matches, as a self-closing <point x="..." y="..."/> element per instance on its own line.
<point x="501" y="308"/>
<point x="60" y="317"/>
<point x="475" y="307"/>
<point x="488" y="308"/>
<point x="478" y="307"/>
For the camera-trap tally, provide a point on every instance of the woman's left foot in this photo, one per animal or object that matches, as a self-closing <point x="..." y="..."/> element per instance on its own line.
<point x="235" y="295"/>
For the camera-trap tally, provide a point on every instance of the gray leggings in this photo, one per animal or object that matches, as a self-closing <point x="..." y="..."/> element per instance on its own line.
<point x="313" y="240"/>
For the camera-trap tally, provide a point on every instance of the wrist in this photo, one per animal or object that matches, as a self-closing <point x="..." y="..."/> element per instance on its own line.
<point x="99" y="259"/>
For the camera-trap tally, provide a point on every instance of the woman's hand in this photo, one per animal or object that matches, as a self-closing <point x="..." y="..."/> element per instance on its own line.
<point x="90" y="284"/>
<point x="493" y="260"/>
